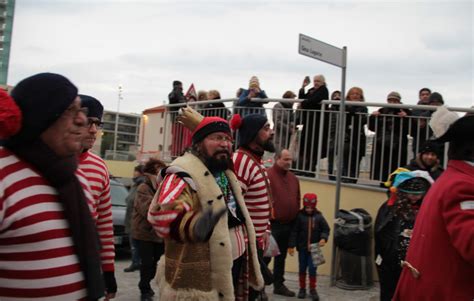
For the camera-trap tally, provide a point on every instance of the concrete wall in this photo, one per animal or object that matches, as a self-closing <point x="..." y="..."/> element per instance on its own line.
<point x="121" y="169"/>
<point x="352" y="197"/>
<point x="152" y="133"/>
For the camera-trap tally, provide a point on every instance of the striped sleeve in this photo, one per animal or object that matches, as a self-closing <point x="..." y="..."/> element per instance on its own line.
<point x="97" y="175"/>
<point x="254" y="191"/>
<point x="170" y="212"/>
<point x="241" y="163"/>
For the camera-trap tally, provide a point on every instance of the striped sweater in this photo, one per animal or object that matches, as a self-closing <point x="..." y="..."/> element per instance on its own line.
<point x="37" y="258"/>
<point x="251" y="173"/>
<point x="97" y="175"/>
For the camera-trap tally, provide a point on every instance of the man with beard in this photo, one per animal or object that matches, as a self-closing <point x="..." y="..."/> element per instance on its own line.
<point x="254" y="138"/>
<point x="97" y="175"/>
<point x="200" y="212"/>
<point x="427" y="159"/>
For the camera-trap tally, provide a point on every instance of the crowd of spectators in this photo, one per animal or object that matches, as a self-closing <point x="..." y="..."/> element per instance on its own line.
<point x="298" y="127"/>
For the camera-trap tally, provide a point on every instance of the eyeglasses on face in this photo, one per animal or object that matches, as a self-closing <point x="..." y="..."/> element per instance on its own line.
<point x="220" y="138"/>
<point x="98" y="124"/>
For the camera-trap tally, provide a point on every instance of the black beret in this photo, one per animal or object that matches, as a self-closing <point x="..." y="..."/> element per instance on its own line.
<point x="42" y="99"/>
<point x="251" y="124"/>
<point x="94" y="107"/>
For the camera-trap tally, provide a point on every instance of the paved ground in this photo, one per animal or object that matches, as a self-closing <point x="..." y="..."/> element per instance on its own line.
<point x="128" y="287"/>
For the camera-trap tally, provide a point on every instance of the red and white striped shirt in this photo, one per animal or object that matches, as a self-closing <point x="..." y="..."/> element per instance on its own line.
<point x="97" y="176"/>
<point x="37" y="257"/>
<point x="251" y="174"/>
<point x="170" y="190"/>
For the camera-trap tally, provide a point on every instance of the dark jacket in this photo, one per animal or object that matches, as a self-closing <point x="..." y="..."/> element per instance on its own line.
<point x="312" y="99"/>
<point x="299" y="235"/>
<point x="417" y="164"/>
<point x="283" y="118"/>
<point x="390" y="141"/>
<point x="176" y="96"/>
<point x="387" y="231"/>
<point x="389" y="124"/>
<point x="216" y="109"/>
<point x="141" y="228"/>
<point x="420" y="130"/>
<point x="244" y="102"/>
<point x="129" y="201"/>
<point x="246" y="106"/>
<point x="310" y="120"/>
<point x="354" y="133"/>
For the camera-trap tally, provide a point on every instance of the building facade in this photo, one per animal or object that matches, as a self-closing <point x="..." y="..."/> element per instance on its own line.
<point x="7" y="9"/>
<point x="127" y="129"/>
<point x="152" y="133"/>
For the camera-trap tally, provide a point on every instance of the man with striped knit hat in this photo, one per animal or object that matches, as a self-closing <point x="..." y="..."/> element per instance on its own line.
<point x="49" y="247"/>
<point x="98" y="177"/>
<point x="255" y="136"/>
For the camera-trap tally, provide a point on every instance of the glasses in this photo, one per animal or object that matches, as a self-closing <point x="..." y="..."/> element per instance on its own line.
<point x="98" y="124"/>
<point x="221" y="138"/>
<point x="75" y="111"/>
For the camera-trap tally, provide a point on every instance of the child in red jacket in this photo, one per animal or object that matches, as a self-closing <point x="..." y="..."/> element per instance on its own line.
<point x="310" y="227"/>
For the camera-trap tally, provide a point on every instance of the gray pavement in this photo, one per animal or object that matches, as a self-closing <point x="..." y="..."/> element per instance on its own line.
<point x="128" y="287"/>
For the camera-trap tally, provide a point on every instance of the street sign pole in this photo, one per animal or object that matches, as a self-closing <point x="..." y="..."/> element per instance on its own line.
<point x="340" y="141"/>
<point x="338" y="57"/>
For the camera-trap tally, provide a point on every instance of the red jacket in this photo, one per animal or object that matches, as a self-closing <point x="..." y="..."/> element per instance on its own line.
<point x="442" y="246"/>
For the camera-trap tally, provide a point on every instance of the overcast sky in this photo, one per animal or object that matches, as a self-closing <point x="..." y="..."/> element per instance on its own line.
<point x="145" y="45"/>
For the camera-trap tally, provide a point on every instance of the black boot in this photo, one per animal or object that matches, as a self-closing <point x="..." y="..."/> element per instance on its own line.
<point x="147" y="296"/>
<point x="283" y="290"/>
<point x="314" y="294"/>
<point x="302" y="293"/>
<point x="132" y="268"/>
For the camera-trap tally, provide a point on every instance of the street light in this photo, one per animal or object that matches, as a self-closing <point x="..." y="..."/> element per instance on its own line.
<point x="116" y="119"/>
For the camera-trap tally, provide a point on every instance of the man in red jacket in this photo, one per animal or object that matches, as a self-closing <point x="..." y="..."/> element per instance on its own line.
<point x="440" y="260"/>
<point x="285" y="190"/>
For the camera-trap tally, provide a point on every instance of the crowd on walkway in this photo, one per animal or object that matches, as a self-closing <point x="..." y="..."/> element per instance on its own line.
<point x="206" y="226"/>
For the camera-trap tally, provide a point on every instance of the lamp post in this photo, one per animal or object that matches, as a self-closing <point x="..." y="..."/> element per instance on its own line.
<point x="116" y="119"/>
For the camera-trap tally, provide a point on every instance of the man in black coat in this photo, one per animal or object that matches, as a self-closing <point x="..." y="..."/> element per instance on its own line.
<point x="176" y="96"/>
<point x="420" y="131"/>
<point x="309" y="116"/>
<point x="391" y="127"/>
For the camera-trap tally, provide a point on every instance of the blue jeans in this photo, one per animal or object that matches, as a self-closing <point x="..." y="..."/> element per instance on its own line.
<point x="306" y="262"/>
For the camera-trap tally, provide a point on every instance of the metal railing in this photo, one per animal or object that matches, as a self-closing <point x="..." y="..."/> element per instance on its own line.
<point x="373" y="145"/>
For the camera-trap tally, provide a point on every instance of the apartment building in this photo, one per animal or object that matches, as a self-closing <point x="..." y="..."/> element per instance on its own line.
<point x="124" y="126"/>
<point x="7" y="9"/>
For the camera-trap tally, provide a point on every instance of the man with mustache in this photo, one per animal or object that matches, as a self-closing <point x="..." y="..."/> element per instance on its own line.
<point x="200" y="212"/>
<point x="254" y="138"/>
